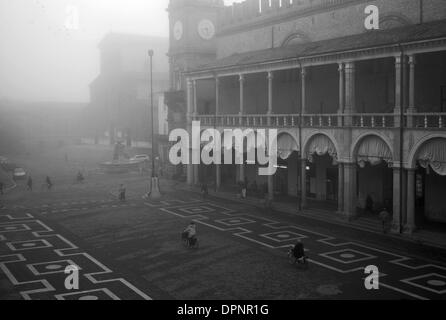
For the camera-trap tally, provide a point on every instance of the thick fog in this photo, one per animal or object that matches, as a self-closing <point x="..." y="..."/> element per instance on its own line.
<point x="49" y="55"/>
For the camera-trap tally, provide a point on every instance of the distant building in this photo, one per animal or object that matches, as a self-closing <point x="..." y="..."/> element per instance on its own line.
<point x="39" y="124"/>
<point x="120" y="95"/>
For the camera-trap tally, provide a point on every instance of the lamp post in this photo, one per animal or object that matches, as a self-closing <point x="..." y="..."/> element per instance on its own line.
<point x="154" y="188"/>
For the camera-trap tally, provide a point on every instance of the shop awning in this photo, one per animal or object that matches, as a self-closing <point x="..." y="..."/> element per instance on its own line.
<point x="286" y="145"/>
<point x="433" y="154"/>
<point x="321" y="145"/>
<point x="373" y="150"/>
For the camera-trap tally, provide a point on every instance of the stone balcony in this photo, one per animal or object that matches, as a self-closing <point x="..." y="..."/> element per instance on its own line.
<point x="429" y="121"/>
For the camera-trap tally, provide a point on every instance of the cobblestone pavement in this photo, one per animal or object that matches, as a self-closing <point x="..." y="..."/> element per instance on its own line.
<point x="132" y="250"/>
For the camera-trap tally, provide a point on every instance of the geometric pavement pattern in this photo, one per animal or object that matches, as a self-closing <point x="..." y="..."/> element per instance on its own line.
<point x="411" y="277"/>
<point x="34" y="258"/>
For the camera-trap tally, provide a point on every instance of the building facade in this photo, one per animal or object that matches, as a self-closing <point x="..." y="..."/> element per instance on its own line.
<point x="360" y="113"/>
<point x="120" y="95"/>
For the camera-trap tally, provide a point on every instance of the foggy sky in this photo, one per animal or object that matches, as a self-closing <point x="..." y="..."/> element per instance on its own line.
<point x="41" y="60"/>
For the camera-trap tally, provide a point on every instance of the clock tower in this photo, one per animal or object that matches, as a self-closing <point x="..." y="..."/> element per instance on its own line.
<point x="192" y="36"/>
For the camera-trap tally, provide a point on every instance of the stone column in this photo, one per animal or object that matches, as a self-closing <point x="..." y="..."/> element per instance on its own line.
<point x="270" y="96"/>
<point x="410" y="221"/>
<point x="218" y="176"/>
<point x="412" y="108"/>
<point x="195" y="105"/>
<point x="396" y="225"/>
<point x="217" y="111"/>
<point x="350" y="92"/>
<point x="242" y="93"/>
<point x="350" y="190"/>
<point x="341" y="88"/>
<point x="304" y="90"/>
<point x="242" y="112"/>
<point x="190" y="110"/>
<point x="398" y="89"/>
<point x="195" y="112"/>
<point x="217" y="96"/>
<point x="340" y="188"/>
<point x="303" y="182"/>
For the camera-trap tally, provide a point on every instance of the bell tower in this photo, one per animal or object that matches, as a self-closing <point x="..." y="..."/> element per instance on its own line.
<point x="192" y="26"/>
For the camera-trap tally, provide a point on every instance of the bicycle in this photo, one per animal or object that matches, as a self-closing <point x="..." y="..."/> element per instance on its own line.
<point x="192" y="243"/>
<point x="302" y="261"/>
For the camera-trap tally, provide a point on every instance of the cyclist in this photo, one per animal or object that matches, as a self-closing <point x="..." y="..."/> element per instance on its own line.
<point x="191" y="233"/>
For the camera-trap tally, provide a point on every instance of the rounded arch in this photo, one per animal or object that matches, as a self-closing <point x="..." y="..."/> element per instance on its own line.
<point x="418" y="147"/>
<point x="286" y="145"/>
<point x="295" y="38"/>
<point x="358" y="140"/>
<point x="372" y="148"/>
<point x="394" y="20"/>
<point x="320" y="143"/>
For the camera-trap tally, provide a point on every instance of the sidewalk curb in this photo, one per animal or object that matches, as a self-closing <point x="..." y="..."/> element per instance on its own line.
<point x="309" y="216"/>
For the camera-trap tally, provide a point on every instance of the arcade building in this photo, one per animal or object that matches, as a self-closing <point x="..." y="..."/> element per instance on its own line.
<point x="361" y="114"/>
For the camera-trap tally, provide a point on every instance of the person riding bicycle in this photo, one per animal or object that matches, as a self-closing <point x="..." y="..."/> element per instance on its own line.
<point x="191" y="233"/>
<point x="299" y="250"/>
<point x="80" y="177"/>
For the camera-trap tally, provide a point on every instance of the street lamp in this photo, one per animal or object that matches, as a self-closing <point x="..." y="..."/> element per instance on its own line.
<point x="154" y="187"/>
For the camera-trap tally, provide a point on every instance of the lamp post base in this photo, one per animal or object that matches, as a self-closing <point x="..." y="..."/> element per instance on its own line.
<point x="154" y="193"/>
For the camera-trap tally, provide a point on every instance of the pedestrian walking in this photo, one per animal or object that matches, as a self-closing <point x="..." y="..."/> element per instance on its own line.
<point x="122" y="193"/>
<point x="49" y="183"/>
<point x="204" y="190"/>
<point x="30" y="183"/>
<point x="385" y="219"/>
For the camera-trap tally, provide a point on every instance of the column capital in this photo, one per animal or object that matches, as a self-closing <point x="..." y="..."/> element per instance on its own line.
<point x="241" y="77"/>
<point x="398" y="60"/>
<point x="303" y="71"/>
<point x="412" y="59"/>
<point x="270" y="75"/>
<point x="350" y="65"/>
<point x="189" y="83"/>
<point x="341" y="66"/>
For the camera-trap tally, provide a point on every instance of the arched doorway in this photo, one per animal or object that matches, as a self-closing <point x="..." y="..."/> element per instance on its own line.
<point x="321" y="168"/>
<point x="375" y="175"/>
<point x="430" y="184"/>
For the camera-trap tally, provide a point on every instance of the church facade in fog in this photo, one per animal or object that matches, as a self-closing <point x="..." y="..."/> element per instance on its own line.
<point x="120" y="95"/>
<point x="361" y="113"/>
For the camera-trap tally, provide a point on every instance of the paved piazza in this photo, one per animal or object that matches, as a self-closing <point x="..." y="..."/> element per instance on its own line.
<point x="132" y="250"/>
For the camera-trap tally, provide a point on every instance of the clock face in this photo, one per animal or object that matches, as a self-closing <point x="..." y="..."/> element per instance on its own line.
<point x="178" y="30"/>
<point x="206" y="29"/>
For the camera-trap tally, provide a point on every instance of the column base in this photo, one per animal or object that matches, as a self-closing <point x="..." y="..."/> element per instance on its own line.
<point x="350" y="216"/>
<point x="154" y="193"/>
<point x="396" y="228"/>
<point x="409" y="229"/>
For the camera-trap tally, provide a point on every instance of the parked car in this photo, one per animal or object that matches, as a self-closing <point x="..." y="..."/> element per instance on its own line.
<point x="19" y="174"/>
<point x="140" y="158"/>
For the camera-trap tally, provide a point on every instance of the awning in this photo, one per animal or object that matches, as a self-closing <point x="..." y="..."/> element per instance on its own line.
<point x="433" y="154"/>
<point x="321" y="145"/>
<point x="286" y="145"/>
<point x="373" y="150"/>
